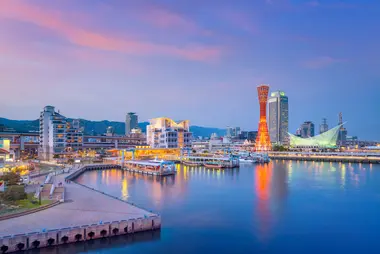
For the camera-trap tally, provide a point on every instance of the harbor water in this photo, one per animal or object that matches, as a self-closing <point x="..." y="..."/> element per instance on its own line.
<point x="280" y="207"/>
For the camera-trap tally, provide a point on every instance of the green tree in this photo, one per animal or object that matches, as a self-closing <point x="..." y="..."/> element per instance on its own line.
<point x="14" y="193"/>
<point x="11" y="178"/>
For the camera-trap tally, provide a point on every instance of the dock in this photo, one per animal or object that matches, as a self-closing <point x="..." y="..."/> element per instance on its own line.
<point x="327" y="157"/>
<point x="85" y="214"/>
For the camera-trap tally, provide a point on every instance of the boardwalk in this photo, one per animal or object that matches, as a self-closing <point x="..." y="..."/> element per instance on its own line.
<point x="83" y="206"/>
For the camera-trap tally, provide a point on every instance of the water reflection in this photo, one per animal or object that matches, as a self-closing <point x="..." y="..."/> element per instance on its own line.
<point x="271" y="187"/>
<point x="256" y="205"/>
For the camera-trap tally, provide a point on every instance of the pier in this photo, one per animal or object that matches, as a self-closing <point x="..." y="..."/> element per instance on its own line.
<point x="84" y="215"/>
<point x="327" y="157"/>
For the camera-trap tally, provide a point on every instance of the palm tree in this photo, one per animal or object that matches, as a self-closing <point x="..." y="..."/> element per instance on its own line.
<point x="64" y="239"/>
<point x="103" y="233"/>
<point x="20" y="246"/>
<point x="115" y="231"/>
<point x="78" y="237"/>
<point x="50" y="241"/>
<point x="36" y="244"/>
<point x="91" y="235"/>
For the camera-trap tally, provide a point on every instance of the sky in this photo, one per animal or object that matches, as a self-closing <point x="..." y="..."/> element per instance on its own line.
<point x="192" y="59"/>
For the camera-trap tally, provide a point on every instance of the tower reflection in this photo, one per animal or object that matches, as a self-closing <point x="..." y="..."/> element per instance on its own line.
<point x="271" y="188"/>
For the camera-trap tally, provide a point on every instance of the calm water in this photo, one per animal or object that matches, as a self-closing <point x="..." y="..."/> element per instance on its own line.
<point x="283" y="207"/>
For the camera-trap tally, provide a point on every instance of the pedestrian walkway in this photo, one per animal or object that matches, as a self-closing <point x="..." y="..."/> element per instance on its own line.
<point x="83" y="206"/>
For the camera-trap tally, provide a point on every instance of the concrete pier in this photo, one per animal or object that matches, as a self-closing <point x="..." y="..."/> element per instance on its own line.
<point x="86" y="214"/>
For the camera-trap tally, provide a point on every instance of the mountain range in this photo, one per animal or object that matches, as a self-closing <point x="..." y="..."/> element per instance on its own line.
<point x="100" y="127"/>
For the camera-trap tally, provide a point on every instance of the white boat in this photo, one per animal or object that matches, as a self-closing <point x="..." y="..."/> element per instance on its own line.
<point x="247" y="160"/>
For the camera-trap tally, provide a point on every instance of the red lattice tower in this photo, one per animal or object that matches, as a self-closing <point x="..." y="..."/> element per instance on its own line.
<point x="263" y="140"/>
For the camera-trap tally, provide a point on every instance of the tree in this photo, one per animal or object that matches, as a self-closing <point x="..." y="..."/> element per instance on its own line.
<point x="103" y="233"/>
<point x="4" y="248"/>
<point x="11" y="178"/>
<point x="64" y="239"/>
<point x="55" y="156"/>
<point x="70" y="161"/>
<point x="115" y="231"/>
<point x="14" y="193"/>
<point x="20" y="246"/>
<point x="91" y="235"/>
<point x="36" y="244"/>
<point x="50" y="241"/>
<point x="78" y="237"/>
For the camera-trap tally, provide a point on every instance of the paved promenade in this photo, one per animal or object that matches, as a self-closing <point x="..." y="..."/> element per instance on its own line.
<point x="83" y="206"/>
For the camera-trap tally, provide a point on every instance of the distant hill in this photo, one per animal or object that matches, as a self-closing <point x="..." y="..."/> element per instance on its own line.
<point x="100" y="127"/>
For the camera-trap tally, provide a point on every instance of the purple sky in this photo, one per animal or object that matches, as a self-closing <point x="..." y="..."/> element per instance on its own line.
<point x="192" y="59"/>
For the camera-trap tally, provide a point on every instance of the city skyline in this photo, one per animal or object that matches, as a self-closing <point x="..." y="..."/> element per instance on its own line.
<point x="97" y="60"/>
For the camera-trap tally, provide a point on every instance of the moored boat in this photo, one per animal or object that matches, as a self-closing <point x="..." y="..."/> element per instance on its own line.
<point x="210" y="165"/>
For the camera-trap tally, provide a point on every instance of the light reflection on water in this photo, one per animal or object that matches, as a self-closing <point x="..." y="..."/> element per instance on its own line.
<point x="270" y="208"/>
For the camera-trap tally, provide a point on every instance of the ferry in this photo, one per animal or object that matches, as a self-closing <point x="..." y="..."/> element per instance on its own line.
<point x="212" y="161"/>
<point x="151" y="167"/>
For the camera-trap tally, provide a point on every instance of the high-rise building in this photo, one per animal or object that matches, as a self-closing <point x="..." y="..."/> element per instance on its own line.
<point x="342" y="136"/>
<point x="233" y="132"/>
<point x="229" y="131"/>
<point x="307" y="129"/>
<point x="131" y="122"/>
<point x="324" y="126"/>
<point x="263" y="140"/>
<point x="278" y="117"/>
<point x="165" y="133"/>
<point x="57" y="134"/>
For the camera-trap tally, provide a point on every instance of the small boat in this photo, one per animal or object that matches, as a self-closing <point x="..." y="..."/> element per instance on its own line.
<point x="191" y="163"/>
<point x="247" y="160"/>
<point x="209" y="165"/>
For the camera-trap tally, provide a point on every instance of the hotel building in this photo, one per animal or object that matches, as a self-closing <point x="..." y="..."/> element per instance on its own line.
<point x="57" y="134"/>
<point x="165" y="133"/>
<point x="278" y="117"/>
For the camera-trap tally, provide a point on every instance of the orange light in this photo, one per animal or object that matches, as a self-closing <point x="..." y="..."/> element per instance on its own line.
<point x="263" y="140"/>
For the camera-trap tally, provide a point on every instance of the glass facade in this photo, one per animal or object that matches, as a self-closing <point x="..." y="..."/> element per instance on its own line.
<point x="278" y="106"/>
<point x="327" y="139"/>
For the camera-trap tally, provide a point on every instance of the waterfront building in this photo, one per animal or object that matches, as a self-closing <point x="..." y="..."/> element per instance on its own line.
<point x="74" y="136"/>
<point x="165" y="133"/>
<point x="325" y="140"/>
<point x="278" y="117"/>
<point x="324" y="126"/>
<point x="57" y="134"/>
<point x="263" y="140"/>
<point x="131" y="122"/>
<point x="307" y="129"/>
<point x="52" y="133"/>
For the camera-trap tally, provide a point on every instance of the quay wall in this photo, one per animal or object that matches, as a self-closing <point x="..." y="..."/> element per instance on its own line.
<point x="327" y="159"/>
<point x="60" y="236"/>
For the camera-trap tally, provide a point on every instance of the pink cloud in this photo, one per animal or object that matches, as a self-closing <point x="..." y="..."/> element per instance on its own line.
<point x="72" y="32"/>
<point x="322" y="62"/>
